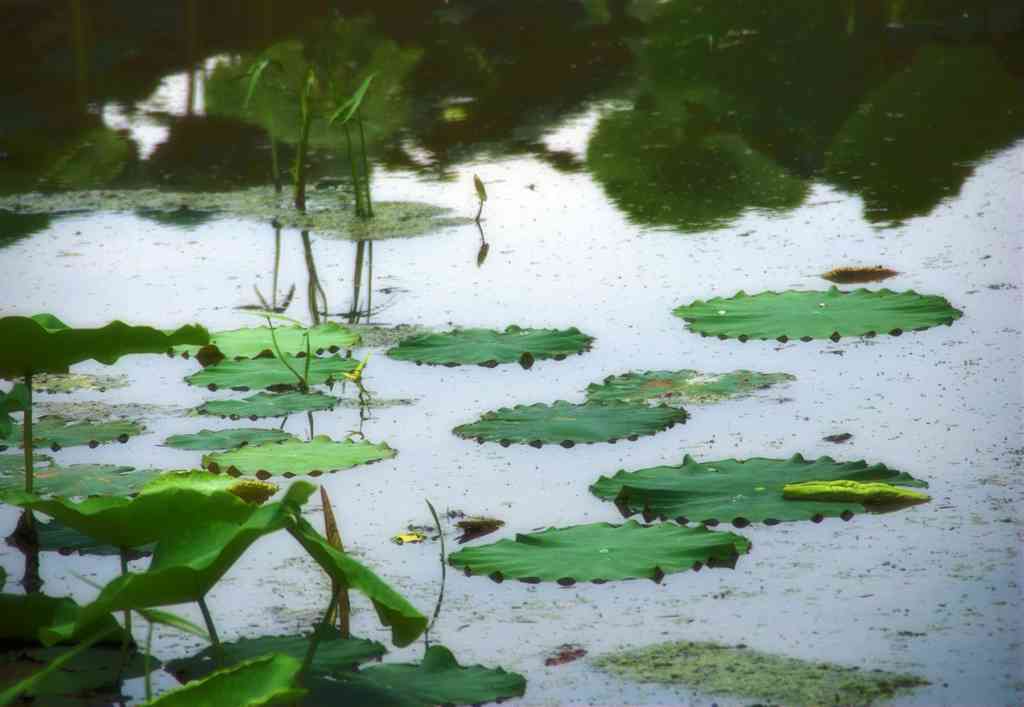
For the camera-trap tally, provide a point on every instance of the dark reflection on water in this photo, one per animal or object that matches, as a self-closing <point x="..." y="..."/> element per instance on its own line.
<point x="706" y="109"/>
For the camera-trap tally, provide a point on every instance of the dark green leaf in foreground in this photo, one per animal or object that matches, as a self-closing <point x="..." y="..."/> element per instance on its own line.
<point x="268" y="405"/>
<point x="333" y="653"/>
<point x="568" y="424"/>
<point x="438" y="680"/>
<point x="17" y="399"/>
<point x="295" y="457"/>
<point x="225" y="439"/>
<point x="253" y="341"/>
<point x="489" y="347"/>
<point x="86" y="678"/>
<point x="747" y="491"/>
<point x="714" y="669"/>
<point x="45" y="344"/>
<point x="56" y="432"/>
<point x="81" y="480"/>
<point x="267" y="680"/>
<point x="260" y="373"/>
<point x="56" y="537"/>
<point x="679" y="387"/>
<point x="25" y="615"/>
<point x="602" y="552"/>
<point x="817" y="315"/>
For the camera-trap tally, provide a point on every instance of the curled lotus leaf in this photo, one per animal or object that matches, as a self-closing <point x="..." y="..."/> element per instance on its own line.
<point x="294" y="457"/>
<point x="679" y="387"/>
<point x="205" y="440"/>
<point x="741" y="491"/>
<point x="79" y="479"/>
<point x="266" y="680"/>
<point x="873" y="494"/>
<point x="600" y="552"/>
<point x="252" y="342"/>
<point x="437" y="680"/>
<point x="55" y="432"/>
<point x="487" y="347"/>
<point x="44" y="344"/>
<point x="569" y="424"/>
<point x="817" y="315"/>
<point x="268" y="405"/>
<point x="260" y="373"/>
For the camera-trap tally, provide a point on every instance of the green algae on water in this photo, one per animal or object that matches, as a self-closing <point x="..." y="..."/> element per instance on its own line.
<point x="715" y="669"/>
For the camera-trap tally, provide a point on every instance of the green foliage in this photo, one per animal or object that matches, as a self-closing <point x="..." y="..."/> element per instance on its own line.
<point x="73" y="382"/>
<point x="270" y="372"/>
<point x="56" y="537"/>
<point x="350" y="107"/>
<point x="602" y="552"/>
<point x="816" y="315"/>
<point x="264" y="681"/>
<point x="747" y="491"/>
<point x="268" y="405"/>
<point x="79" y="479"/>
<point x="17" y="399"/>
<point x="225" y="439"/>
<point x="96" y="671"/>
<point x="56" y="432"/>
<point x="255" y="341"/>
<point x="568" y="424"/>
<point x="45" y="344"/>
<point x="678" y="387"/>
<point x="873" y="494"/>
<point x="25" y="615"/>
<point x="489" y="347"/>
<point x="294" y="457"/>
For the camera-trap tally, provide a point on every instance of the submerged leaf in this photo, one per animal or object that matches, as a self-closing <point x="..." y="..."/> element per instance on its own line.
<point x="254" y="341"/>
<point x="81" y="480"/>
<point x="225" y="439"/>
<point x="295" y="457"/>
<point x="56" y="432"/>
<point x="489" y="347"/>
<point x="259" y="373"/>
<point x="267" y="680"/>
<point x="602" y="552"/>
<point x="685" y="386"/>
<point x="268" y="405"/>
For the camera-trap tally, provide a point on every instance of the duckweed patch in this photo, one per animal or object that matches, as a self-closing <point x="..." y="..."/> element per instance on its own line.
<point x="73" y="382"/>
<point x="373" y="336"/>
<point x="715" y="669"/>
<point x="685" y="386"/>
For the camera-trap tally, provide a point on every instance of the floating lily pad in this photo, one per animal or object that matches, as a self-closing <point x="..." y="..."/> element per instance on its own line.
<point x="294" y="457"/>
<point x="487" y="347"/>
<point x="678" y="387"/>
<point x="259" y="373"/>
<point x="817" y="315"/>
<point x="568" y="424"/>
<point x="438" y="680"/>
<point x="268" y="405"/>
<point x="715" y="669"/>
<point x="333" y="653"/>
<point x="58" y="432"/>
<point x="73" y="382"/>
<point x="747" y="491"/>
<point x="80" y="479"/>
<point x="254" y="341"/>
<point x="602" y="552"/>
<point x="225" y="439"/>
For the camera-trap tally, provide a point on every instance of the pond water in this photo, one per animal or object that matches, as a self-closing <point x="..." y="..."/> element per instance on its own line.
<point x="637" y="156"/>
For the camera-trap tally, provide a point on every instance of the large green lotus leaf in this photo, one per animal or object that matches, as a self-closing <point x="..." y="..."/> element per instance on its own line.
<point x="568" y="424"/>
<point x="44" y="344"/>
<point x="17" y="399"/>
<point x="55" y="537"/>
<point x="259" y="373"/>
<point x="249" y="490"/>
<point x="333" y="653"/>
<point x="393" y="610"/>
<point x="25" y="615"/>
<point x="267" y="680"/>
<point x="439" y="679"/>
<point x="817" y="315"/>
<point x="56" y="432"/>
<point x="747" y="491"/>
<point x="489" y="347"/>
<point x="268" y="405"/>
<point x="295" y="457"/>
<point x="253" y="341"/>
<point x="81" y="480"/>
<point x="77" y="681"/>
<point x="678" y="387"/>
<point x="191" y="557"/>
<point x="602" y="552"/>
<point x="225" y="439"/>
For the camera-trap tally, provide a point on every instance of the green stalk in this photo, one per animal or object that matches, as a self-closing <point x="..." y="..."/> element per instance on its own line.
<point x="146" y="662"/>
<point x="369" y="282"/>
<point x="8" y="696"/>
<point x="212" y="630"/>
<point x="127" y="612"/>
<point x="444" y="573"/>
<point x="277" y="260"/>
<point x="366" y="165"/>
<point x="300" y="155"/>
<point x="360" y="211"/>
<point x="280" y="357"/>
<point x="26" y="434"/>
<point x="314" y="640"/>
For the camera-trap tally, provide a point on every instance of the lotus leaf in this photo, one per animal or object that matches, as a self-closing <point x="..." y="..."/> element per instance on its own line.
<point x="81" y="480"/>
<point x="249" y="490"/>
<point x="225" y="439"/>
<point x="439" y="679"/>
<point x="489" y="347"/>
<point x="56" y="432"/>
<point x="268" y="405"/>
<point x="99" y="668"/>
<point x="254" y="341"/>
<point x="190" y="557"/>
<point x="267" y="680"/>
<point x="25" y="615"/>
<point x="678" y="387"/>
<point x="261" y="373"/>
<point x="872" y="494"/>
<point x="601" y="552"/>
<point x="568" y="424"/>
<point x="17" y="399"/>
<point x="392" y="608"/>
<point x="15" y="463"/>
<point x="72" y="382"/>
<point x="816" y="315"/>
<point x="333" y="653"/>
<point x="294" y="457"/>
<point x="747" y="491"/>
<point x="47" y="345"/>
<point x="55" y="537"/>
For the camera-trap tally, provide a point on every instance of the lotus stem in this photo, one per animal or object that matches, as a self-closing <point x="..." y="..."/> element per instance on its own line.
<point x="146" y="663"/>
<point x="26" y="437"/>
<point x="369" y="281"/>
<point x="366" y="164"/>
<point x="300" y="155"/>
<point x="360" y="211"/>
<point x="212" y="630"/>
<point x="127" y="612"/>
<point x="444" y="574"/>
<point x="314" y="640"/>
<point x="479" y="210"/>
<point x="338" y="591"/>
